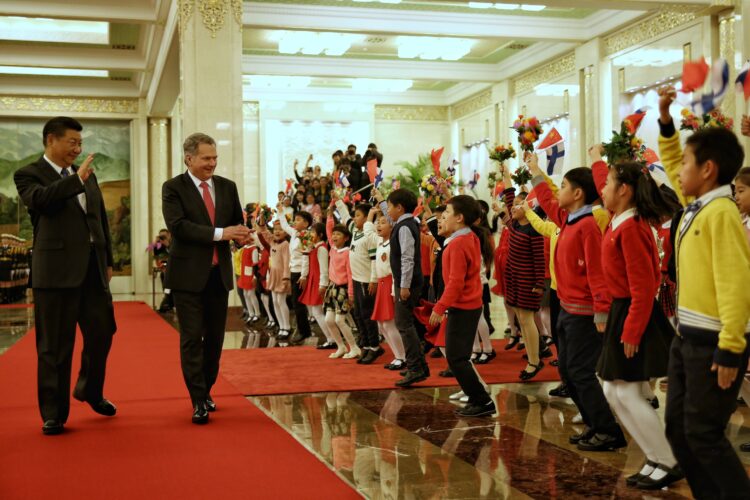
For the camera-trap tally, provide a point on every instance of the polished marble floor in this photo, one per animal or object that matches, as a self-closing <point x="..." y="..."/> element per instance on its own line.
<point x="409" y="444"/>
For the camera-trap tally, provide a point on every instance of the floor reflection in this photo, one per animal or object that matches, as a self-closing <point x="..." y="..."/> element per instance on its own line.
<point x="14" y="323"/>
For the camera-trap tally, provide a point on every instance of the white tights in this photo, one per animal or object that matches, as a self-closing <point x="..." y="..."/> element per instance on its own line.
<point x="483" y="334"/>
<point x="320" y="318"/>
<point x="542" y="320"/>
<point x="640" y="419"/>
<point x="392" y="338"/>
<point x="282" y="310"/>
<point x="266" y="305"/>
<point x="340" y="330"/>
<point x="253" y="308"/>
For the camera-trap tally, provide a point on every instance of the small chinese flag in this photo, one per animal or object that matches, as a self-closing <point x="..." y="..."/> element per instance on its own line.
<point x="694" y="75"/>
<point x="435" y="157"/>
<point x="553" y="138"/>
<point x="372" y="169"/>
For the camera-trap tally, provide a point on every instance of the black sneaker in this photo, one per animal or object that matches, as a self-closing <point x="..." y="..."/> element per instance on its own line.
<point x="473" y="410"/>
<point x="602" y="442"/>
<point x="587" y="433"/>
<point x="411" y="378"/>
<point x="561" y="391"/>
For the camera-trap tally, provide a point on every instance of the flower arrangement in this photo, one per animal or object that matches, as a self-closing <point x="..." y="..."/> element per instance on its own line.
<point x="521" y="176"/>
<point x="492" y="180"/>
<point x="306" y="237"/>
<point x="624" y="146"/>
<point x="502" y="153"/>
<point x="265" y="212"/>
<point x="714" y="119"/>
<point x="436" y="186"/>
<point x="529" y="129"/>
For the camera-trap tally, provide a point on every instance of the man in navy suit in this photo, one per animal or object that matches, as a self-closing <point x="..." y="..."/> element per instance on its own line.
<point x="203" y="213"/>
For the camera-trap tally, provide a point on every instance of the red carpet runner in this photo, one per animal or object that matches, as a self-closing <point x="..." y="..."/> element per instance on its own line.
<point x="150" y="449"/>
<point x="306" y="369"/>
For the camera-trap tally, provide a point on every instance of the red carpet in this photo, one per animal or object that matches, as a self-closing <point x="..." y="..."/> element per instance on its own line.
<point x="306" y="369"/>
<point x="150" y="449"/>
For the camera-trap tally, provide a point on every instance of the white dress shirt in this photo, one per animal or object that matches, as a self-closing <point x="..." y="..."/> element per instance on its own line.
<point x="81" y="196"/>
<point x="218" y="231"/>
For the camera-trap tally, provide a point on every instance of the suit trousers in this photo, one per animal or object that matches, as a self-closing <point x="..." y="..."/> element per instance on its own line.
<point x="578" y="350"/>
<point x="202" y="316"/>
<point x="300" y="309"/>
<point x="697" y="414"/>
<point x="460" y="332"/>
<point x="404" y="316"/>
<point x="364" y="303"/>
<point x="56" y="313"/>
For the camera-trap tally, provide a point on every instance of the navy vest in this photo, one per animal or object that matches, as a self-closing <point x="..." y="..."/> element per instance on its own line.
<point x="417" y="278"/>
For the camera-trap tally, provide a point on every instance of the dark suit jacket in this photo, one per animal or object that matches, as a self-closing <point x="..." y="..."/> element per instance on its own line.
<point x="62" y="230"/>
<point x="192" y="247"/>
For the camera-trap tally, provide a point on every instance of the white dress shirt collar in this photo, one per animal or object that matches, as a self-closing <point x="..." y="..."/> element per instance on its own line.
<point x="619" y="219"/>
<point x="56" y="166"/>
<point x="198" y="182"/>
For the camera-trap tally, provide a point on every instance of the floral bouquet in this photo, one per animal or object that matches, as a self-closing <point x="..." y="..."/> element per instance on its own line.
<point x="529" y="130"/>
<point x="624" y="146"/>
<point x="714" y="119"/>
<point x="306" y="240"/>
<point x="502" y="153"/>
<point x="265" y="212"/>
<point x="492" y="179"/>
<point x="521" y="176"/>
<point x="436" y="186"/>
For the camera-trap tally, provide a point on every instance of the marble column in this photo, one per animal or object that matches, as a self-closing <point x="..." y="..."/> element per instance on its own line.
<point x="211" y="79"/>
<point x="158" y="169"/>
<point x="591" y="115"/>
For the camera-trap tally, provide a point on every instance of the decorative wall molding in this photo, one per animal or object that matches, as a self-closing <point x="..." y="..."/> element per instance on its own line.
<point x="213" y="13"/>
<point x="69" y="104"/>
<point x="250" y="109"/>
<point x="545" y="73"/>
<point x="651" y="27"/>
<point x="726" y="51"/>
<point x="471" y="104"/>
<point x="412" y="113"/>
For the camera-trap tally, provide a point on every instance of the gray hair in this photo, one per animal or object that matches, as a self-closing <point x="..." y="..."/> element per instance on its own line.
<point x="190" y="146"/>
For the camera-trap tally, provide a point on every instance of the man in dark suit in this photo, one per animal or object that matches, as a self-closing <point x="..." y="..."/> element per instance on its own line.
<point x="72" y="266"/>
<point x="203" y="213"/>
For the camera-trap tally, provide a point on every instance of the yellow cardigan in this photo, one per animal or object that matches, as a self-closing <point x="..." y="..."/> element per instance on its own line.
<point x="713" y="279"/>
<point x="670" y="151"/>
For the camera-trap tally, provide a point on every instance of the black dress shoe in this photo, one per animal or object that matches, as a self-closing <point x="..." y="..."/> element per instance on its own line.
<point x="513" y="342"/>
<point x="525" y="375"/>
<point x="404" y="372"/>
<point x="200" y="413"/>
<point x="104" y="407"/>
<point x="602" y="442"/>
<point x="394" y="365"/>
<point x="52" y="427"/>
<point x="210" y="405"/>
<point x="327" y="345"/>
<point x="561" y="391"/>
<point x="411" y="377"/>
<point x="472" y="410"/>
<point x="745" y="447"/>
<point x="554" y="362"/>
<point x="633" y="480"/>
<point x="673" y="475"/>
<point x="520" y="347"/>
<point x="547" y="353"/>
<point x="587" y="433"/>
<point x="367" y="358"/>
<point x="446" y="373"/>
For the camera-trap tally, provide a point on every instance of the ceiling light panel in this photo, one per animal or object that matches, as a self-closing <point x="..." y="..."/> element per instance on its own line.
<point x="432" y="48"/>
<point x="311" y="43"/>
<point x="27" y="70"/>
<point x="33" y="29"/>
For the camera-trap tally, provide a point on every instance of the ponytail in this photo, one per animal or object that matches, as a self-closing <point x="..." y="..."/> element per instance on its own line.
<point x="472" y="212"/>
<point x="484" y="243"/>
<point x="650" y="202"/>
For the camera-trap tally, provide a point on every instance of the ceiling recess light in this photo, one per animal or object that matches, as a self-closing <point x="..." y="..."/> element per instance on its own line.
<point x="432" y="48"/>
<point x="33" y="29"/>
<point x="278" y="82"/>
<point x="27" y="70"/>
<point x="533" y="8"/>
<point x="381" y="85"/>
<point x="311" y="43"/>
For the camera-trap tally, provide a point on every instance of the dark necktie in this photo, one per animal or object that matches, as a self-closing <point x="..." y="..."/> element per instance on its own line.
<point x="209" y="202"/>
<point x="65" y="172"/>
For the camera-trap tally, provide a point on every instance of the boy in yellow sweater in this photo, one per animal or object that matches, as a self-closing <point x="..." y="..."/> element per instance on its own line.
<point x="710" y="352"/>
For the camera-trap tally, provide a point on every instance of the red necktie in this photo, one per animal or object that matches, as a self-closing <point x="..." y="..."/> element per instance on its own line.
<point x="209" y="202"/>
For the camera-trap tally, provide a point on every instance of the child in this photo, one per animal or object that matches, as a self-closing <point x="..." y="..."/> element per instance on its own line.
<point x="462" y="300"/>
<point x="500" y="222"/>
<point x="246" y="281"/>
<point x="312" y="207"/>
<point x="584" y="302"/>
<point x="383" y="312"/>
<point x="362" y="250"/>
<point x="339" y="296"/>
<point x="636" y="340"/>
<point x="302" y="221"/>
<point x="278" y="275"/>
<point x="742" y="197"/>
<point x="713" y="306"/>
<point x="314" y="282"/>
<point x="524" y="276"/>
<point x="483" y="352"/>
<point x="406" y="267"/>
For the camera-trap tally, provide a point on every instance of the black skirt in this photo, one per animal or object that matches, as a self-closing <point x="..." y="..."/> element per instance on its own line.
<point x="653" y="352"/>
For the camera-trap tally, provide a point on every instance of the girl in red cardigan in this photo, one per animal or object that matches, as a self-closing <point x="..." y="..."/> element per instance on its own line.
<point x="462" y="300"/>
<point x="247" y="283"/>
<point x="314" y="282"/>
<point x="637" y="336"/>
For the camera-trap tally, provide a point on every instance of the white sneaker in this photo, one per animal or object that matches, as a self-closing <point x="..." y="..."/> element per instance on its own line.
<point x="578" y="419"/>
<point x="339" y="352"/>
<point x="456" y="395"/>
<point x="354" y="353"/>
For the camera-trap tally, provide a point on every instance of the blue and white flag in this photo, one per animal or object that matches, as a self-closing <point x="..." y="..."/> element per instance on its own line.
<point x="711" y="100"/>
<point x="555" y="159"/>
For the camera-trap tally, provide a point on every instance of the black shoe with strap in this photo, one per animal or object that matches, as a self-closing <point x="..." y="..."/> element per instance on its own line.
<point x="633" y="480"/>
<point x="513" y="342"/>
<point x="528" y="375"/>
<point x="673" y="475"/>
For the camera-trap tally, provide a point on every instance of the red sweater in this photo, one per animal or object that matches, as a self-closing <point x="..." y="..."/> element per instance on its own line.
<point x="580" y="280"/>
<point x="631" y="267"/>
<point x="463" y="286"/>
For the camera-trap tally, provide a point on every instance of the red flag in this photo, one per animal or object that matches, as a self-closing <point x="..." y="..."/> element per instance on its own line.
<point x="372" y="169"/>
<point x="650" y="156"/>
<point x="694" y="75"/>
<point x="289" y="183"/>
<point x="634" y="120"/>
<point x="552" y="139"/>
<point x="419" y="208"/>
<point x="499" y="188"/>
<point x="435" y="157"/>
<point x="357" y="197"/>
